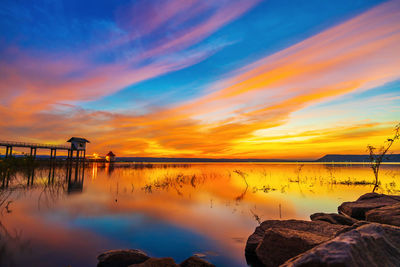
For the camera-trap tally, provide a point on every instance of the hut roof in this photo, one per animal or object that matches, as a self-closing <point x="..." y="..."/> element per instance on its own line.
<point x="78" y="139"/>
<point x="110" y="154"/>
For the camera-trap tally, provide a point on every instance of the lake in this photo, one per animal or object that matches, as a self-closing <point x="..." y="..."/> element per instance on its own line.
<point x="66" y="216"/>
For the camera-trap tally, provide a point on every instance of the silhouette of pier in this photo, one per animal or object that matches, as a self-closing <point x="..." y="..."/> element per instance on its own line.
<point x="77" y="144"/>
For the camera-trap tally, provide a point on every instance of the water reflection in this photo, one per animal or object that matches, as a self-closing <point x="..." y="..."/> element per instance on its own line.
<point x="164" y="209"/>
<point x="16" y="184"/>
<point x="75" y="185"/>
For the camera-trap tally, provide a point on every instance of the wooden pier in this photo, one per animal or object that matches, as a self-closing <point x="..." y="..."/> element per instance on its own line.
<point x="77" y="144"/>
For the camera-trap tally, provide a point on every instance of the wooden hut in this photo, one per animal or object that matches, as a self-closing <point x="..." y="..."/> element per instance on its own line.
<point x="78" y="144"/>
<point x="110" y="157"/>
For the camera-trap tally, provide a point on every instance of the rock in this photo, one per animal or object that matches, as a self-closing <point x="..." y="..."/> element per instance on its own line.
<point x="367" y="202"/>
<point x="121" y="258"/>
<point x="279" y="245"/>
<point x="196" y="262"/>
<point x="157" y="262"/>
<point x="137" y="258"/>
<point x="387" y="215"/>
<point x="293" y="235"/>
<point x="351" y="227"/>
<point x="317" y="227"/>
<point x="333" y="218"/>
<point x="369" y="245"/>
<point x="200" y="255"/>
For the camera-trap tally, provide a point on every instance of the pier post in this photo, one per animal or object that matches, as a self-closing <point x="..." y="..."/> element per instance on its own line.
<point x="55" y="153"/>
<point x="6" y="151"/>
<point x="34" y="152"/>
<point x="10" y="151"/>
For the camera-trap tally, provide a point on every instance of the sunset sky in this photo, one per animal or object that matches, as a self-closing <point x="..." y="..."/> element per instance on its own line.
<point x="195" y="78"/>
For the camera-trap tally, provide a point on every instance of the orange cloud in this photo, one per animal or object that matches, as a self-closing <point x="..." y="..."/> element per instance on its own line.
<point x="357" y="55"/>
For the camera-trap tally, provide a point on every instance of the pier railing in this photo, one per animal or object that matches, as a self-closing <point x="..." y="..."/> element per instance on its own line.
<point x="33" y="145"/>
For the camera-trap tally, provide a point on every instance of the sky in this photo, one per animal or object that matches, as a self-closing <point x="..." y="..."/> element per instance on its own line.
<point x="194" y="78"/>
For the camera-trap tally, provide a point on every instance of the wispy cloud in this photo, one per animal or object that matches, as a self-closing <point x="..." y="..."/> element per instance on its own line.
<point x="37" y="78"/>
<point x="359" y="54"/>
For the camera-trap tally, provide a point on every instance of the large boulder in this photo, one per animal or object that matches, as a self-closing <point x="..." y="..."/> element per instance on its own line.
<point x="369" y="245"/>
<point x="387" y="215"/>
<point x="333" y="218"/>
<point x="195" y="261"/>
<point x="121" y="258"/>
<point x="157" y="262"/>
<point x="279" y="245"/>
<point x="367" y="202"/>
<point x="351" y="227"/>
<point x="275" y="241"/>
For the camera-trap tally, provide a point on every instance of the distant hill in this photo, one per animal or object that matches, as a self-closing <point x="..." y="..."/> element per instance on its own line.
<point x="150" y="159"/>
<point x="355" y="158"/>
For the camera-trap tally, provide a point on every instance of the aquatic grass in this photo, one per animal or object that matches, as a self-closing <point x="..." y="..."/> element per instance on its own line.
<point x="352" y="182"/>
<point x="256" y="217"/>
<point x="243" y="175"/>
<point x="149" y="165"/>
<point x="177" y="182"/>
<point x="264" y="188"/>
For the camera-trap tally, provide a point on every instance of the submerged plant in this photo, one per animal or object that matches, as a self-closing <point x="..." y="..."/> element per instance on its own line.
<point x="256" y="217"/>
<point x="298" y="172"/>
<point x="377" y="155"/>
<point x="243" y="175"/>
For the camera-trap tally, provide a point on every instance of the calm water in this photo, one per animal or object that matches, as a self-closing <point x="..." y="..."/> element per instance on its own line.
<point x="63" y="217"/>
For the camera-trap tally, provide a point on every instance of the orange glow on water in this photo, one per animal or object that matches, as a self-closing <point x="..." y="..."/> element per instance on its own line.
<point x="215" y="201"/>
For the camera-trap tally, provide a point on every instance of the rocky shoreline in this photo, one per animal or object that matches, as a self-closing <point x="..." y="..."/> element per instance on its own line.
<point x="364" y="232"/>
